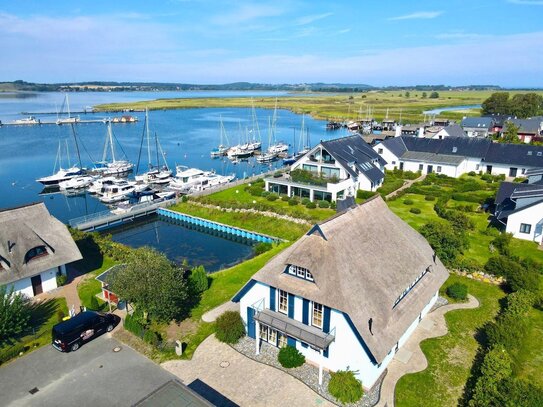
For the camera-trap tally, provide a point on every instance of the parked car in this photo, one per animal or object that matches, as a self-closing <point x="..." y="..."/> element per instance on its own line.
<point x="68" y="336"/>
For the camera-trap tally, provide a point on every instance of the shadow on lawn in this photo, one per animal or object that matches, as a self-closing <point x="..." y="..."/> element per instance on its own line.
<point x="92" y="256"/>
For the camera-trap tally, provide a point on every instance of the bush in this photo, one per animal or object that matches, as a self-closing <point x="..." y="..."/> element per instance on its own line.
<point x="508" y="331"/>
<point x="305" y="201"/>
<point x="324" y="204"/>
<point x="502" y="242"/>
<point x="345" y="387"/>
<point x="61" y="280"/>
<point x="12" y="352"/>
<point x="290" y="357"/>
<point x="198" y="279"/>
<point x="496" y="367"/>
<point x="472" y="173"/>
<point x="525" y="280"/>
<point x="458" y="291"/>
<point x="333" y="205"/>
<point x="360" y="194"/>
<point x="408" y="202"/>
<point x="184" y="198"/>
<point x="264" y="194"/>
<point x="446" y="241"/>
<point x="311" y="205"/>
<point x="14" y="313"/>
<point x="520" y="302"/>
<point x="429" y="198"/>
<point x="229" y="327"/>
<point x="293" y="201"/>
<point x="272" y="197"/>
<point x="262" y="248"/>
<point x="151" y="337"/>
<point x="416" y="211"/>
<point x="285" y="198"/>
<point x="94" y="304"/>
<point x="132" y="325"/>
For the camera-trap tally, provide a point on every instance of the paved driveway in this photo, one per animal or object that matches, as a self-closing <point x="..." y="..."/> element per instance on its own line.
<point x="242" y="380"/>
<point x="92" y="376"/>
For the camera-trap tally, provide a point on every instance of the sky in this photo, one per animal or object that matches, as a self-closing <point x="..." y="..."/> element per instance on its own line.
<point x="381" y="43"/>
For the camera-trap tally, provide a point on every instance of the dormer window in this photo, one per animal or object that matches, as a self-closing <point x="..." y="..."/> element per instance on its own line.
<point x="299" y="272"/>
<point x="37" y="251"/>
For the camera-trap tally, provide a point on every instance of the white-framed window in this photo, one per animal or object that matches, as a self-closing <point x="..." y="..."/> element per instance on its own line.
<point x="317" y="315"/>
<point x="421" y="167"/>
<point x="477" y="166"/>
<point x="264" y="332"/>
<point x="438" y="169"/>
<point x="525" y="228"/>
<point x="299" y="272"/>
<point x="283" y="302"/>
<point x="308" y="275"/>
<point x="272" y="336"/>
<point x="281" y="340"/>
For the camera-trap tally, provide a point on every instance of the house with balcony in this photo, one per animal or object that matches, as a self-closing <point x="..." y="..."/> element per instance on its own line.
<point x="332" y="170"/>
<point x="348" y="294"/>
<point x="34" y="248"/>
<point x="519" y="207"/>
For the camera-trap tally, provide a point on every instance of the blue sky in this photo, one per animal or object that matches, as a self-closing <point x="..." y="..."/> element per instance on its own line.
<point x="380" y="43"/>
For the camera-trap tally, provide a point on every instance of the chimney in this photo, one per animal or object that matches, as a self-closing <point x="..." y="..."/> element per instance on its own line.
<point x="398" y="131"/>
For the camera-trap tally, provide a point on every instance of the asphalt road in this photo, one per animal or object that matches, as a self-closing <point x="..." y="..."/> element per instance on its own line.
<point x="92" y="376"/>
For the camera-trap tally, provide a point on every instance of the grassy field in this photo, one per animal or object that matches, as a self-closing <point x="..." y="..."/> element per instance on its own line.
<point x="528" y="360"/>
<point x="43" y="317"/>
<point x="89" y="287"/>
<point x="250" y="221"/>
<point x="335" y="106"/>
<point x="451" y="357"/>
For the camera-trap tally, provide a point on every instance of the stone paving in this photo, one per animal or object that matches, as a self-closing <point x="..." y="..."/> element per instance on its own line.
<point x="242" y="380"/>
<point x="212" y="315"/>
<point x="410" y="358"/>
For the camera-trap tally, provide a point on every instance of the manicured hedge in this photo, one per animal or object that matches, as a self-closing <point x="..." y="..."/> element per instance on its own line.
<point x="416" y="211"/>
<point x="229" y="327"/>
<point x="290" y="357"/>
<point x="458" y="291"/>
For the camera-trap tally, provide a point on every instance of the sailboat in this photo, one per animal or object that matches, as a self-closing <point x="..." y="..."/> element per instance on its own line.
<point x="69" y="119"/>
<point x="222" y="149"/>
<point x="156" y="174"/>
<point x="255" y="143"/>
<point x="63" y="174"/>
<point x="277" y="147"/>
<point x="113" y="167"/>
<point x="269" y="155"/>
<point x="304" y="145"/>
<point x="241" y="150"/>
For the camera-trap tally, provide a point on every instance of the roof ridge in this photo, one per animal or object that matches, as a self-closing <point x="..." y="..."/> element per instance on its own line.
<point x="20" y="206"/>
<point x="338" y="214"/>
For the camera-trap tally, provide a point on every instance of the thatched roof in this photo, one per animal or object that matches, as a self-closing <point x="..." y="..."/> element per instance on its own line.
<point x="362" y="260"/>
<point x="27" y="227"/>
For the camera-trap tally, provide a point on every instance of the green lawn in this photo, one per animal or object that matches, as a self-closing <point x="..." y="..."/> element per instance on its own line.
<point x="528" y="360"/>
<point x="89" y="287"/>
<point x="251" y="221"/>
<point x="44" y="316"/>
<point x="235" y="196"/>
<point x="450" y="357"/>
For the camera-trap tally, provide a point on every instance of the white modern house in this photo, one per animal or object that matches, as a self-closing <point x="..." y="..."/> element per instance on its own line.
<point x="348" y="294"/>
<point x="454" y="156"/>
<point x="34" y="248"/>
<point x="520" y="208"/>
<point x="339" y="168"/>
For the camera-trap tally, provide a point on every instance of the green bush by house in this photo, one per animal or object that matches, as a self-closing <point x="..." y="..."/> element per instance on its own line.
<point x="345" y="387"/>
<point x="408" y="202"/>
<point x="290" y="357"/>
<point x="229" y="327"/>
<point x="416" y="211"/>
<point x="458" y="291"/>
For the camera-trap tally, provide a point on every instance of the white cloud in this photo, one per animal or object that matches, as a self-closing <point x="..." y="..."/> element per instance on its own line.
<point x="344" y="31"/>
<point x="419" y="15"/>
<point x="312" y="18"/>
<point x="247" y="13"/>
<point x="527" y="2"/>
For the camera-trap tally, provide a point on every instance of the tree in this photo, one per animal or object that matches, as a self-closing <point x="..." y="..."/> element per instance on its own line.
<point x="434" y="95"/>
<point x="424" y="95"/>
<point x="510" y="135"/>
<point x="14" y="314"/>
<point x="447" y="242"/>
<point x="526" y="105"/>
<point x="198" y="279"/>
<point x="407" y="94"/>
<point x="497" y="103"/>
<point x="151" y="282"/>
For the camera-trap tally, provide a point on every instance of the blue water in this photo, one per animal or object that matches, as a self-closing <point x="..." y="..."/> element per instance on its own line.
<point x="181" y="243"/>
<point x="451" y="108"/>
<point x="186" y="135"/>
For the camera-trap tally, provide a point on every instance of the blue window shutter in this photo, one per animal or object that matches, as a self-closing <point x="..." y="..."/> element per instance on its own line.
<point x="291" y="341"/>
<point x="251" y="331"/>
<point x="326" y="320"/>
<point x="272" y="298"/>
<point x="325" y="353"/>
<point x="305" y="312"/>
<point x="290" y="305"/>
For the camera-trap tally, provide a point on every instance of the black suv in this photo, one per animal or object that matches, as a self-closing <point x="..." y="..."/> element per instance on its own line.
<point x="71" y="334"/>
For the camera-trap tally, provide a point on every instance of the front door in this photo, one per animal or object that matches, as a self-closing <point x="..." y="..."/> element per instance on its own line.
<point x="430" y="169"/>
<point x="36" y="284"/>
<point x="251" y="323"/>
<point x="513" y="172"/>
<point x="489" y="169"/>
<point x="401" y="166"/>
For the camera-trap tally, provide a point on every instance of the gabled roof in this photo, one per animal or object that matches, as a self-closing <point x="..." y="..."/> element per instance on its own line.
<point x="454" y="130"/>
<point x="368" y="259"/>
<point x="509" y="194"/>
<point x="477" y="122"/>
<point x="396" y="145"/>
<point x="515" y="154"/>
<point x="354" y="153"/>
<point x="27" y="227"/>
<point x="531" y="125"/>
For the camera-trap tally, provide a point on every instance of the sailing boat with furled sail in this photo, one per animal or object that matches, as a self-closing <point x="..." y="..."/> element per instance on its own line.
<point x="222" y="149"/>
<point x="113" y="167"/>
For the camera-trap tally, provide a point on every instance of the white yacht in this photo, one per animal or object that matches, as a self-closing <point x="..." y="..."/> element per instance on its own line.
<point x="116" y="193"/>
<point x="186" y="178"/>
<point x="211" y="181"/>
<point x="26" y="121"/>
<point x="76" y="183"/>
<point x="61" y="175"/>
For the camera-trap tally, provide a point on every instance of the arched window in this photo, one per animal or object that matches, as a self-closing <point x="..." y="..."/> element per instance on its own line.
<point x="37" y="251"/>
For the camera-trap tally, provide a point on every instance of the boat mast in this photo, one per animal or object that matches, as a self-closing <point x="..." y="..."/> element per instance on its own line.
<point x="163" y="154"/>
<point x="110" y="134"/>
<point x="255" y="120"/>
<point x="68" y="105"/>
<point x="76" y="146"/>
<point x="148" y="138"/>
<point x="68" y="153"/>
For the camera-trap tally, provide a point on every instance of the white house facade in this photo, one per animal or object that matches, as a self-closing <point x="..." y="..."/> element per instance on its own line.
<point x="454" y="156"/>
<point x="34" y="248"/>
<point x="477" y="126"/>
<point x="520" y="208"/>
<point x="339" y="301"/>
<point x="339" y="167"/>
